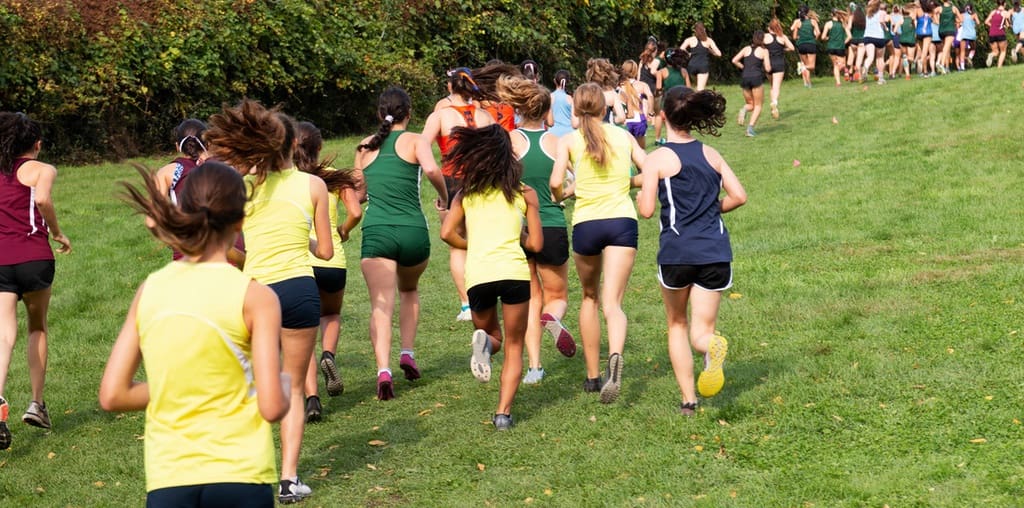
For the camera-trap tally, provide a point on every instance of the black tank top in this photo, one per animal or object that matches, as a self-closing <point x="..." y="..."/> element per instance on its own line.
<point x="699" y="55"/>
<point x="753" y="67"/>
<point x="647" y="77"/>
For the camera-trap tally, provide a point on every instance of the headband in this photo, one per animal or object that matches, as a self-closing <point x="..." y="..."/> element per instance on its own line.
<point x="184" y="139"/>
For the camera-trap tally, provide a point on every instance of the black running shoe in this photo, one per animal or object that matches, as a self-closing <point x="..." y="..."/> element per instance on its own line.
<point x="592" y="384"/>
<point x="331" y="377"/>
<point x="314" y="410"/>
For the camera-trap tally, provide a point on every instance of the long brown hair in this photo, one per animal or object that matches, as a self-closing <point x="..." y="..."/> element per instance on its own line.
<point x="18" y="134"/>
<point x="393" y="106"/>
<point x="531" y="100"/>
<point x="589" y="105"/>
<point x="687" y="110"/>
<point x="602" y="72"/>
<point x="212" y="204"/>
<point x="250" y="136"/>
<point x="485" y="159"/>
<point x="629" y="69"/>
<point x="308" y="143"/>
<point x="700" y="32"/>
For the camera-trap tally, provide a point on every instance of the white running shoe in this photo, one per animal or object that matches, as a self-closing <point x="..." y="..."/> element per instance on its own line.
<point x="480" y="361"/>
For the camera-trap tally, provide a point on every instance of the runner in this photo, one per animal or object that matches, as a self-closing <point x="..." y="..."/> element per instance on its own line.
<point x="777" y="44"/>
<point x="753" y="61"/>
<point x="27" y="219"/>
<point x="806" y="32"/>
<point x="560" y="115"/>
<point x="700" y="46"/>
<point x="997" y="21"/>
<point x="694" y="255"/>
<point x="837" y="36"/>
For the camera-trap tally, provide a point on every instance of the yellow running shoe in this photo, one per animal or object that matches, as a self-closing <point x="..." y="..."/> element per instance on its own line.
<point x="710" y="381"/>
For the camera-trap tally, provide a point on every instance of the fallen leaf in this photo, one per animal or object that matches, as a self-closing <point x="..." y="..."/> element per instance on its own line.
<point x="40" y="490"/>
<point x="69" y="411"/>
<point x="733" y="494"/>
<point x="949" y="350"/>
<point x="777" y="399"/>
<point x="548" y="492"/>
<point x="723" y="423"/>
<point x="375" y="427"/>
<point x="480" y="467"/>
<point x="837" y="418"/>
<point x="377" y="442"/>
<point x="1016" y="421"/>
<point x="528" y="500"/>
<point x="371" y="467"/>
<point x="835" y="120"/>
<point x="377" y="488"/>
<point x="51" y="455"/>
<point x="699" y="448"/>
<point x="439" y="405"/>
<point x="425" y="412"/>
<point x="796" y="163"/>
<point x="979" y="440"/>
<point x="592" y="418"/>
<point x="140" y="437"/>
<point x="989" y="397"/>
<point x="333" y="447"/>
<point x="324" y="471"/>
<point x="735" y="296"/>
<point x="98" y="484"/>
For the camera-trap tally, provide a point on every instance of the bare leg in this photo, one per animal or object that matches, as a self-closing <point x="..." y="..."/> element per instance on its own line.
<point x="330" y="330"/>
<point x="409" y="312"/>
<point x="758" y="100"/>
<point x="296" y="349"/>
<point x="588" y="268"/>
<point x="8" y="333"/>
<point x="679" y="341"/>
<point x="618" y="265"/>
<point x="515" y="317"/>
<point x="533" y="328"/>
<point x="702" y="81"/>
<point x="37" y="304"/>
<point x="381" y="280"/>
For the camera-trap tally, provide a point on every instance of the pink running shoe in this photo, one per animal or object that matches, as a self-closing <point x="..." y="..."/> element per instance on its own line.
<point x="385" y="390"/>
<point x="563" y="339"/>
<point x="408" y="365"/>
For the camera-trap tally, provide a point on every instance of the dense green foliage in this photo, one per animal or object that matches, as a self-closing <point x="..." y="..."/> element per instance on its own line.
<point x="111" y="79"/>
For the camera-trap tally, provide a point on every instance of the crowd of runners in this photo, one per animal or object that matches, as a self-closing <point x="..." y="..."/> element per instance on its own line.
<point x="227" y="331"/>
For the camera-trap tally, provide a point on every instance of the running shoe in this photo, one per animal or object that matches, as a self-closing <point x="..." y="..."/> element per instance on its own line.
<point x="688" y="408"/>
<point x="563" y="339"/>
<point x="314" y="410"/>
<point x="712" y="378"/>
<point x="592" y="384"/>
<point x="533" y="376"/>
<point x="775" y="110"/>
<point x="480" y="361"/>
<point x="36" y="415"/>
<point x="1013" y="56"/>
<point x="464" y="315"/>
<point x="385" y="388"/>
<point x="742" y="117"/>
<point x="331" y="378"/>
<point x="750" y="131"/>
<point x="292" y="491"/>
<point x="408" y="365"/>
<point x="611" y="388"/>
<point x="5" y="433"/>
<point x="503" y="422"/>
<point x="881" y="81"/>
<point x="988" y="59"/>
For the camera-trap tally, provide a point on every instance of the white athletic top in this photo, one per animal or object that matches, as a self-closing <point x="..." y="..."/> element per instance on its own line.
<point x="873" y="26"/>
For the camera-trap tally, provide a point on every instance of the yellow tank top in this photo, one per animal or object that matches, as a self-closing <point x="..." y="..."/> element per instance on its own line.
<point x="202" y="421"/>
<point x="603" y="193"/>
<point x="277" y="223"/>
<point x="493" y="226"/>
<point x="338" y="261"/>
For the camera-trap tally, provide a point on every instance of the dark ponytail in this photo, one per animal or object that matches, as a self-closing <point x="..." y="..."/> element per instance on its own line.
<point x="18" y="134"/>
<point x="393" y="106"/>
<point x="212" y="203"/>
<point x="308" y="142"/>
<point x="188" y="137"/>
<point x="687" y="110"/>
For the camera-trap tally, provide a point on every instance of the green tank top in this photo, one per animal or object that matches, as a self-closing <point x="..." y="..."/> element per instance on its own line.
<point x="856" y="33"/>
<point x="537" y="174"/>
<point x="946" y="23"/>
<point x="805" y="34"/>
<point x="907" y="31"/>
<point x="393" y="189"/>
<point x="837" y="36"/>
<point x="674" y="78"/>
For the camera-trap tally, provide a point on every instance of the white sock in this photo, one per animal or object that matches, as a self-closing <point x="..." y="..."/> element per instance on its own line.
<point x="408" y="352"/>
<point x="379" y="371"/>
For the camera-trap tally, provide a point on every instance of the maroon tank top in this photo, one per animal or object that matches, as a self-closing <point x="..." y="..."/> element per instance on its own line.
<point x="23" y="233"/>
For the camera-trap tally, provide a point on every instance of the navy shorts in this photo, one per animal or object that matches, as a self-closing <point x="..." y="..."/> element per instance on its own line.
<point x="996" y="38"/>
<point x="878" y="43"/>
<point x="330" y="279"/>
<point x="227" y="495"/>
<point x="485" y="296"/>
<point x="712" y="277"/>
<point x="26" y="277"/>
<point x="807" y="48"/>
<point x="589" y="238"/>
<point x="300" y="302"/>
<point x="556" y="248"/>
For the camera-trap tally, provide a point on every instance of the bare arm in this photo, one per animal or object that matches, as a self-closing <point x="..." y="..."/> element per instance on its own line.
<point x="164" y="177"/>
<point x="454" y="222"/>
<point x="45" y="176"/>
<point x="431" y="131"/>
<point x="713" y="48"/>
<point x="534" y="240"/>
<point x="353" y="213"/>
<point x="825" y="30"/>
<point x="432" y="171"/>
<point x="118" y="389"/>
<point x="735" y="195"/>
<point x="646" y="199"/>
<point x="559" y="168"/>
<point x="322" y="247"/>
<point x="262" y="313"/>
<point x="766" y="61"/>
<point x="738" y="59"/>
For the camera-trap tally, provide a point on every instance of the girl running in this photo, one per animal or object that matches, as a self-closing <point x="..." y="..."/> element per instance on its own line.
<point x="331" y="274"/>
<point x="777" y="44"/>
<point x="187" y="140"/>
<point x="855" y="51"/>
<point x="638" y="102"/>
<point x="395" y="243"/>
<point x="837" y="36"/>
<point x="997" y="21"/>
<point x="948" y="17"/>
<point x="753" y="61"/>
<point x="925" y="52"/>
<point x="700" y="46"/>
<point x="874" y="40"/>
<point x="806" y="32"/>
<point x="674" y="73"/>
<point x="463" y="112"/>
<point x="650" y="65"/>
<point x="907" y="40"/>
<point x="492" y="207"/>
<point x="560" y="115"/>
<point x="604" y="235"/>
<point x="27" y="220"/>
<point x="207" y="336"/>
<point x="284" y="202"/>
<point x="549" y="268"/>
<point x="968" y="35"/>
<point x="1017" y="23"/>
<point x="694" y="255"/>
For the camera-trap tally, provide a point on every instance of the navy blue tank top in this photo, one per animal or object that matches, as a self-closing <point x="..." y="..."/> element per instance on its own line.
<point x="692" y="231"/>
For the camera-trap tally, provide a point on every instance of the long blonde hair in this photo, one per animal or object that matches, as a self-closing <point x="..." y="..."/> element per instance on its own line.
<point x="633" y="103"/>
<point x="589" y="105"/>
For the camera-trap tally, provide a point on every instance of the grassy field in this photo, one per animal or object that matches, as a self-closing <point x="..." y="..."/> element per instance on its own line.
<point x="874" y="328"/>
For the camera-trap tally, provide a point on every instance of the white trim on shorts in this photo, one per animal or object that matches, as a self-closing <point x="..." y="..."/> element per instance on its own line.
<point x="666" y="286"/>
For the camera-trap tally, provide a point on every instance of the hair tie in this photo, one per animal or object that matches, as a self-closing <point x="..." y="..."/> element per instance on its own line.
<point x="389" y="118"/>
<point x="184" y="139"/>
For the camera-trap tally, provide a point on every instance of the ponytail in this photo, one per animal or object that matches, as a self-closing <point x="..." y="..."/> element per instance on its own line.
<point x="393" y="106"/>
<point x="18" y="134"/>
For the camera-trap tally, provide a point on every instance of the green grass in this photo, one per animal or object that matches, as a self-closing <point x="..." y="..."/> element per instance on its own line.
<point x="874" y="328"/>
